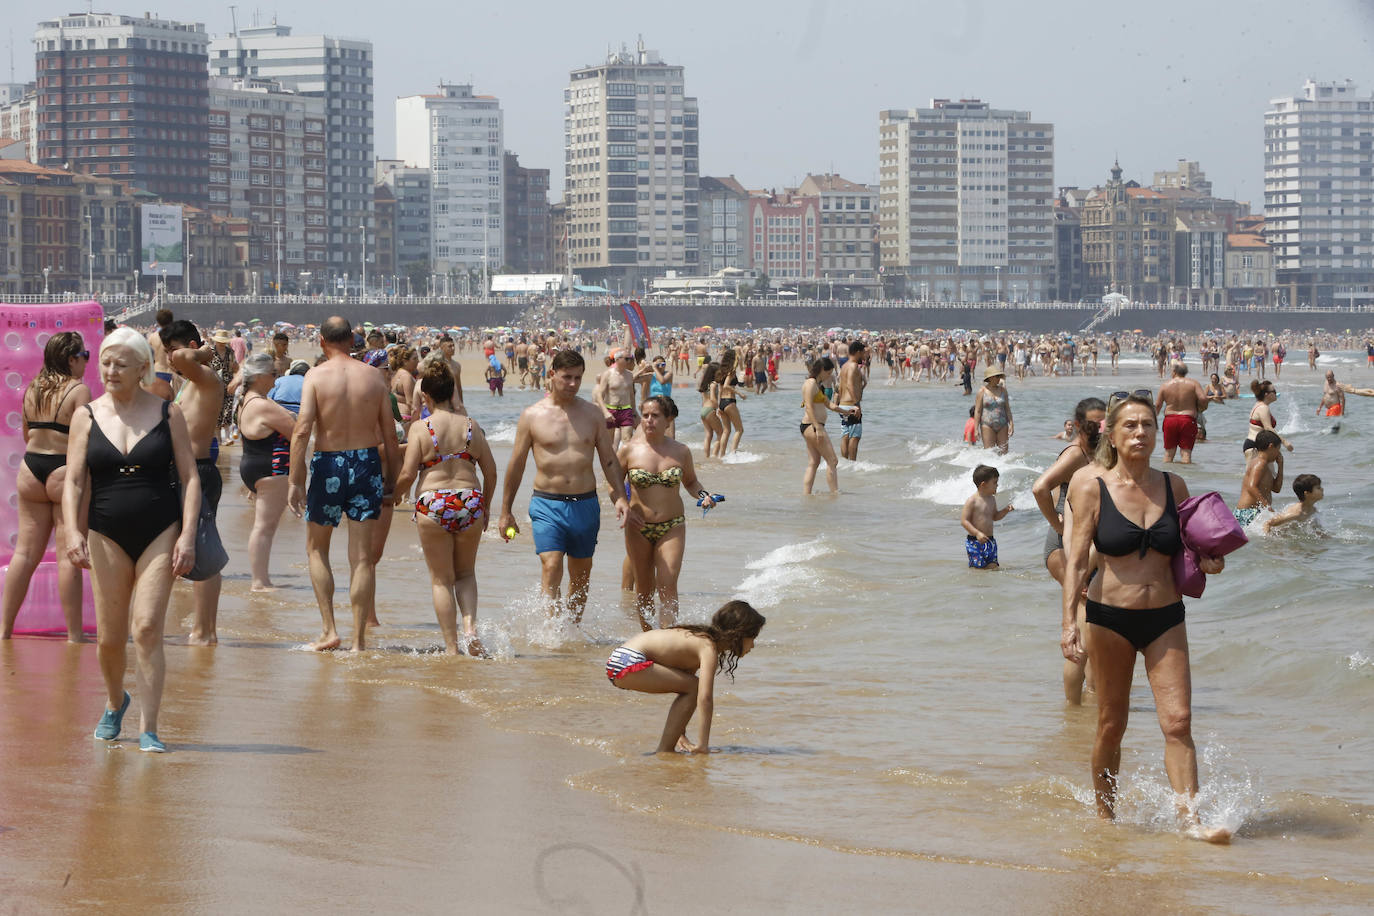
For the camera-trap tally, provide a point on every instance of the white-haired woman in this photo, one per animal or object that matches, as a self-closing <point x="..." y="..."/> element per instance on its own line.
<point x="141" y="519"/>
<point x="265" y="427"/>
<point x="49" y="405"/>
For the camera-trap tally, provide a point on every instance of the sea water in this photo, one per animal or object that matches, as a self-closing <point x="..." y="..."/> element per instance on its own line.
<point x="899" y="703"/>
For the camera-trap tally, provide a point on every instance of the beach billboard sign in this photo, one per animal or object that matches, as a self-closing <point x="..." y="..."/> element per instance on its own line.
<point x="162" y="240"/>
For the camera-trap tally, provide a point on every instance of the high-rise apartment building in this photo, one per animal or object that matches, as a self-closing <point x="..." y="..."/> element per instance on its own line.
<point x="19" y="119"/>
<point x="782" y="233"/>
<point x="631" y="169"/>
<point x="966" y="201"/>
<point x="724" y="222"/>
<point x="125" y="97"/>
<point x="339" y="71"/>
<point x="410" y="187"/>
<point x="849" y="211"/>
<point x="1319" y="194"/>
<point x="267" y="165"/>
<point x="459" y="138"/>
<point x="528" y="245"/>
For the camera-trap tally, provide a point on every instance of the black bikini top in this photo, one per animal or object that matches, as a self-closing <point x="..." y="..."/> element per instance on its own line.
<point x="53" y="424"/>
<point x="1118" y="536"/>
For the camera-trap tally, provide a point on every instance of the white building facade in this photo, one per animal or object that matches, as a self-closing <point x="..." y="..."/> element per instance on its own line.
<point x="966" y="202"/>
<point x="459" y="137"/>
<point x="1319" y="194"/>
<point x="339" y="71"/>
<point x="631" y="174"/>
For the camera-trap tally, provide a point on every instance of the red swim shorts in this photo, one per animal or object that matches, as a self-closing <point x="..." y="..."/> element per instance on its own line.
<point x="1180" y="431"/>
<point x="1335" y="410"/>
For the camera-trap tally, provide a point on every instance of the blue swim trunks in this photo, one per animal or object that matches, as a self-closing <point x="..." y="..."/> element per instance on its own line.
<point x="565" y="523"/>
<point x="344" y="483"/>
<point x="980" y="553"/>
<point x="851" y="428"/>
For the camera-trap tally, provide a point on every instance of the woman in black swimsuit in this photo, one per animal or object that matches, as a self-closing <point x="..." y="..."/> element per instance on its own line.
<point x="265" y="427"/>
<point x="726" y="406"/>
<point x="55" y="394"/>
<point x="1087" y="419"/>
<point x="1133" y="605"/>
<point x="125" y="448"/>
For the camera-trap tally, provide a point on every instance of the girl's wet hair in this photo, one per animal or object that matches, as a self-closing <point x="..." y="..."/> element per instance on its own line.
<point x="1085" y="406"/>
<point x="58" y="352"/>
<point x="730" y="626"/>
<point x="1260" y="388"/>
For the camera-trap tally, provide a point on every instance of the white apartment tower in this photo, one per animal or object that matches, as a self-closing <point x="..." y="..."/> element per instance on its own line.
<point x="631" y="169"/>
<point x="1319" y="194"/>
<point x="966" y="202"/>
<point x="340" y="72"/>
<point x="459" y="137"/>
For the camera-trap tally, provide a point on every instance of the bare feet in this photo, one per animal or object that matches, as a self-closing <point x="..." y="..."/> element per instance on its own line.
<point x="1217" y="835"/>
<point x="473" y="646"/>
<point x="263" y="587"/>
<point x="372" y="620"/>
<point x="326" y="642"/>
<point x="199" y="639"/>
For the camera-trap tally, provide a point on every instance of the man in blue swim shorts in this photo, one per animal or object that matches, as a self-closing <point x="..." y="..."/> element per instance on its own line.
<point x="346" y="404"/>
<point x="567" y="436"/>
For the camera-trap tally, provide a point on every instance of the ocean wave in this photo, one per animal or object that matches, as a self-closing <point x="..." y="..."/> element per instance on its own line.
<point x="863" y="467"/>
<point x="742" y="458"/>
<point x="935" y="451"/>
<point x="1359" y="660"/>
<point x="789" y="554"/>
<point x="502" y="432"/>
<point x="782" y="573"/>
<point x="944" y="491"/>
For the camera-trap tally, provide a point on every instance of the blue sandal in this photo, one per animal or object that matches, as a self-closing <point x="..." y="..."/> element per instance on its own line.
<point x="110" y="722"/>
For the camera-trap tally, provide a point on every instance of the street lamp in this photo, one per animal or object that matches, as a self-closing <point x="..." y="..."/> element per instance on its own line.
<point x="90" y="256"/>
<point x="136" y="276"/>
<point x="362" y="287"/>
<point x="46" y="271"/>
<point x="186" y="252"/>
<point x="998" y="269"/>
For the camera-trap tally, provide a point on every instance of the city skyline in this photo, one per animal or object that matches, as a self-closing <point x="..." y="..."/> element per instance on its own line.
<point x="1184" y="82"/>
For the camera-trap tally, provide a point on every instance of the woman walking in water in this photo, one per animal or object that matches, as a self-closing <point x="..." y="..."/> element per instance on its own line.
<point x="815" y="405"/>
<point x="1133" y="605"/>
<point x="656" y="467"/>
<point x="1087" y="420"/>
<point x="710" y="405"/>
<point x="445" y="451"/>
<point x="992" y="410"/>
<point x="726" y="407"/>
<point x="265" y="427"/>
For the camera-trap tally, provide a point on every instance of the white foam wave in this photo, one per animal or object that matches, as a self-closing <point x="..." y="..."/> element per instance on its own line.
<point x="742" y="458"/>
<point x="782" y="574"/>
<point x="790" y="554"/>
<point x="502" y="432"/>
<point x="944" y="491"/>
<point x="935" y="451"/>
<point x="1359" y="660"/>
<point x="863" y="467"/>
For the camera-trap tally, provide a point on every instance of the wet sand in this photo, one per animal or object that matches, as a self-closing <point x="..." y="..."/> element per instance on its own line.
<point x="304" y="790"/>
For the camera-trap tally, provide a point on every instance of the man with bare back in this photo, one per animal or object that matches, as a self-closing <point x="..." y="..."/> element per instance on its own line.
<point x="566" y="434"/>
<point x="345" y="403"/>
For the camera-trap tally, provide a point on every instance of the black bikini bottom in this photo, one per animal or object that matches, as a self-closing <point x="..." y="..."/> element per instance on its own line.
<point x="42" y="466"/>
<point x="1139" y="627"/>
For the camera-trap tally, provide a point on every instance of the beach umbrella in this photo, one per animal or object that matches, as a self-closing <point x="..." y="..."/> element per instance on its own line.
<point x="255" y="321"/>
<point x="286" y="324"/>
<point x="240" y="324"/>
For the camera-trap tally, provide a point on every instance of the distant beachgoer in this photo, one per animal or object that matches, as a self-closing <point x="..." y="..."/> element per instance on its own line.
<point x="815" y="404"/>
<point x="161" y="384"/>
<point x="1182" y="401"/>
<point x="1133" y="605"/>
<point x="1333" y="398"/>
<point x="286" y="390"/>
<point x="50" y="403"/>
<point x="444" y="452"/>
<point x="684" y="660"/>
<point x="1086" y="424"/>
<point x="1261" y="417"/>
<point x="266" y="428"/>
<point x="992" y="410"/>
<point x="849" y="392"/>
<point x="1308" y="489"/>
<point x="130" y="454"/>
<point x="1260" y="480"/>
<point x="730" y="392"/>
<point x="979" y="514"/>
<point x="971" y="428"/>
<point x="1066" y="434"/>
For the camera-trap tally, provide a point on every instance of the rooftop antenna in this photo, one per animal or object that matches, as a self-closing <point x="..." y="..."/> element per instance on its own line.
<point x="234" y="20"/>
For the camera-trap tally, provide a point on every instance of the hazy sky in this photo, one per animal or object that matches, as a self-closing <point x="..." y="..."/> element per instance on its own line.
<point x="791" y="87"/>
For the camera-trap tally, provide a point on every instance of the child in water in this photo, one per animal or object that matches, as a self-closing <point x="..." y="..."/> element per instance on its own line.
<point x="980" y="511"/>
<point x="1308" y="489"/>
<point x="684" y="660"/>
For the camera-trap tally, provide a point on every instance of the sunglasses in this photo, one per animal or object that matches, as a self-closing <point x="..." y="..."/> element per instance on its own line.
<point x="1119" y="396"/>
<point x="84" y="354"/>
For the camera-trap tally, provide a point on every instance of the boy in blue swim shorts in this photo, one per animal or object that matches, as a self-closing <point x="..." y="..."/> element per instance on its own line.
<point x="980" y="511"/>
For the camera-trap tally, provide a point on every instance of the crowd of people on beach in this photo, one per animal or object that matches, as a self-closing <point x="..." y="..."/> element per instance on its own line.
<point x="130" y="485"/>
